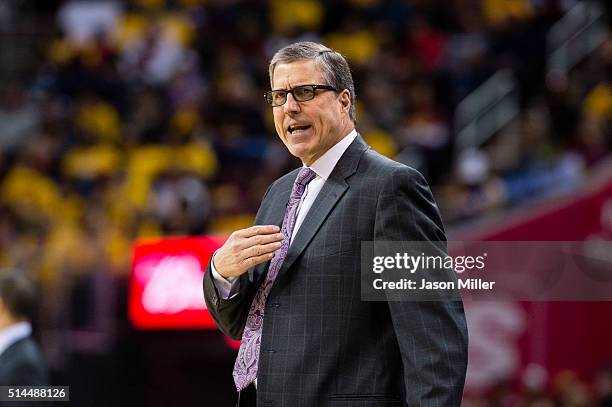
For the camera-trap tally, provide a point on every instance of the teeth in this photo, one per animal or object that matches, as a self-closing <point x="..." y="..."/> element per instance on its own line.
<point x="294" y="128"/>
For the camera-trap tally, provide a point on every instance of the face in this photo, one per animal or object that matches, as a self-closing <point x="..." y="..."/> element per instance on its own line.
<point x="310" y="128"/>
<point x="4" y="316"/>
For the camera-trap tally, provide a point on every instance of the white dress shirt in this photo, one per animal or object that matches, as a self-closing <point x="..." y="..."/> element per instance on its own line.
<point x="14" y="333"/>
<point x="323" y="167"/>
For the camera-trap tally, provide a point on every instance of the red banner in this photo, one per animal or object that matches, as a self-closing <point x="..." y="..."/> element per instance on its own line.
<point x="530" y="342"/>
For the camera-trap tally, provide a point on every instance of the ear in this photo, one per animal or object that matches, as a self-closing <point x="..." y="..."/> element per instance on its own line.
<point x="345" y="100"/>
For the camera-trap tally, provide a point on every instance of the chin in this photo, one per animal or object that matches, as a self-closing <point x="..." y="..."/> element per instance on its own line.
<point x="300" y="151"/>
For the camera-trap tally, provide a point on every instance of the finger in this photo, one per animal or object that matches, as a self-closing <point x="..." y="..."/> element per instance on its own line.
<point x="253" y="261"/>
<point x="246" y="243"/>
<point x="260" y="240"/>
<point x="258" y="250"/>
<point x="258" y="230"/>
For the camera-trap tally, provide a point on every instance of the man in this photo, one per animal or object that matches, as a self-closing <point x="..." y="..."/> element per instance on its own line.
<point x="21" y="362"/>
<point x="289" y="287"/>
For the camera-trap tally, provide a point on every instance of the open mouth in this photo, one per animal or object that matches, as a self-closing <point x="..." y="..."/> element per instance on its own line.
<point x="297" y="128"/>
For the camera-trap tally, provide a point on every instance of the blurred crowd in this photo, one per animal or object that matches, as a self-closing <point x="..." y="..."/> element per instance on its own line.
<point x="146" y="118"/>
<point x="565" y="390"/>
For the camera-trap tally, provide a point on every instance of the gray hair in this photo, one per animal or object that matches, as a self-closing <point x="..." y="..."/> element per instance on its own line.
<point x="333" y="66"/>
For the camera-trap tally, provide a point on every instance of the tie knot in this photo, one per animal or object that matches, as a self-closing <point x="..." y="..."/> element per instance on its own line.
<point x="305" y="176"/>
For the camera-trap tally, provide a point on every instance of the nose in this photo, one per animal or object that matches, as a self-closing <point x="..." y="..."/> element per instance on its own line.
<point x="291" y="105"/>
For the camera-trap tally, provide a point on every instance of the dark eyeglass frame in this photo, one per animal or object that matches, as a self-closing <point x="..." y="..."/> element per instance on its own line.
<point x="268" y="96"/>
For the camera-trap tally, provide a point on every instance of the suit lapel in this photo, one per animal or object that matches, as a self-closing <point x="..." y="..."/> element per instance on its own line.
<point x="333" y="189"/>
<point x="276" y="212"/>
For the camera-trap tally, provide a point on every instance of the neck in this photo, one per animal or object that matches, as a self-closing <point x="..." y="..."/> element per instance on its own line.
<point x="7" y="321"/>
<point x="348" y="127"/>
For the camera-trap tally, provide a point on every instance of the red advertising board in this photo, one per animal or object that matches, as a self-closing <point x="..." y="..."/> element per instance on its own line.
<point x="166" y="283"/>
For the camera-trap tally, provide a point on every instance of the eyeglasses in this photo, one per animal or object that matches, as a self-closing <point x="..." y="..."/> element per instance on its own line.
<point x="301" y="93"/>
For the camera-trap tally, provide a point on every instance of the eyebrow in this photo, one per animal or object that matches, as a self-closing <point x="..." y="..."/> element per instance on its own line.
<point x="296" y="86"/>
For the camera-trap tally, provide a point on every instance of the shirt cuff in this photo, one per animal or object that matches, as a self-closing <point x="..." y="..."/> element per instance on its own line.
<point x="227" y="287"/>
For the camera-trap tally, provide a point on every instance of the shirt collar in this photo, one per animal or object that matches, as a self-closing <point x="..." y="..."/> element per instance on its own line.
<point x="326" y="163"/>
<point x="14" y="333"/>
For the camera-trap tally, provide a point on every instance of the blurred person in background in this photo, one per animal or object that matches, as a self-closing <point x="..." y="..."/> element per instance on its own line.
<point x="322" y="344"/>
<point x="603" y="386"/>
<point x="21" y="362"/>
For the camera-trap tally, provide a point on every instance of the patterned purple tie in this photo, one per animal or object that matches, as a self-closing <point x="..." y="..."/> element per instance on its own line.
<point x="245" y="368"/>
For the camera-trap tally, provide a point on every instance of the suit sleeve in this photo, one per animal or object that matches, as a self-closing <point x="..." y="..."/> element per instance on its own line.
<point x="432" y="335"/>
<point x="230" y="314"/>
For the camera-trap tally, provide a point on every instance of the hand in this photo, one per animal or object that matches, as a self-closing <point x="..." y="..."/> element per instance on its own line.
<point x="246" y="248"/>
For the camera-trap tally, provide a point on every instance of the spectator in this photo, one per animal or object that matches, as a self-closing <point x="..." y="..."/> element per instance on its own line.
<point x="21" y="362"/>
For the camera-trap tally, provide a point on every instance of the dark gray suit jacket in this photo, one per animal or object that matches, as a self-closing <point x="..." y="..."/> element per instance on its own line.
<point x="323" y="346"/>
<point x="22" y="364"/>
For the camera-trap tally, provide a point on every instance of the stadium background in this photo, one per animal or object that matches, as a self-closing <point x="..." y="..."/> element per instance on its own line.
<point x="141" y="119"/>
